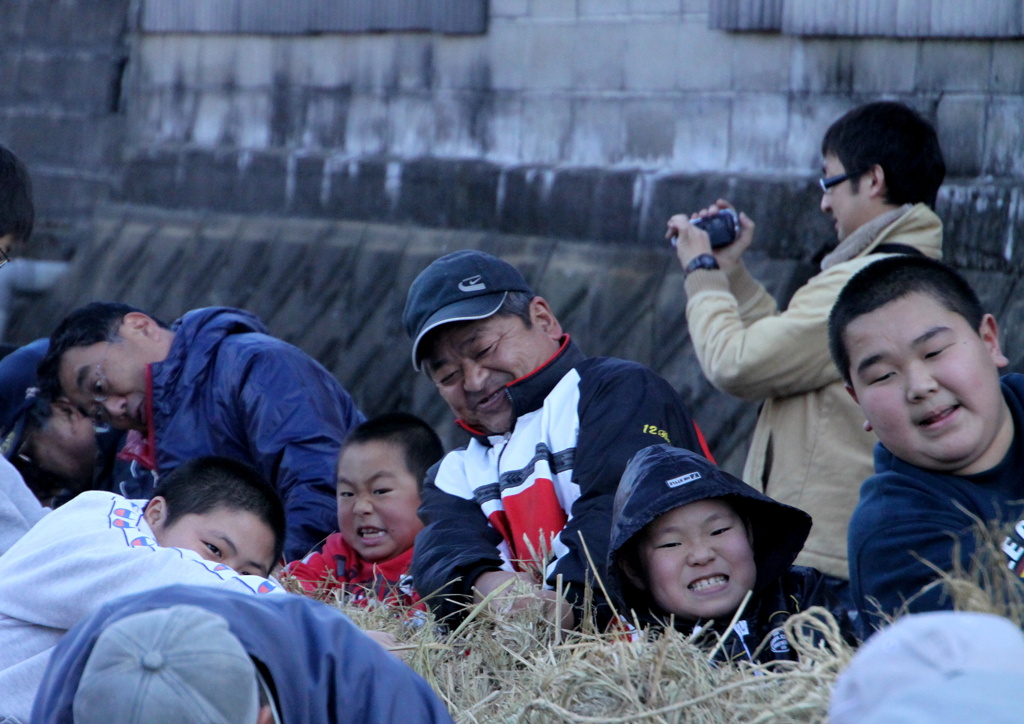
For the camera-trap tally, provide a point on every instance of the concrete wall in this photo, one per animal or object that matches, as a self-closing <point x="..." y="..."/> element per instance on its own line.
<point x="564" y="136"/>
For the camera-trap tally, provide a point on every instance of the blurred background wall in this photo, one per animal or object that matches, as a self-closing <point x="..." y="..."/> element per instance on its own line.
<point x="307" y="159"/>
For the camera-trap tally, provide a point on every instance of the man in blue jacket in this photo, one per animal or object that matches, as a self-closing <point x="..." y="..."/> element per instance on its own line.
<point x="213" y="383"/>
<point x="187" y="654"/>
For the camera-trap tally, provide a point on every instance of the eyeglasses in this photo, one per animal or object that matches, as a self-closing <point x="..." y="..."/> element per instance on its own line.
<point x="829" y="181"/>
<point x="4" y="258"/>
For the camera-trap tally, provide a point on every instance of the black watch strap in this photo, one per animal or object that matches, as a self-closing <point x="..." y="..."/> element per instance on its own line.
<point x="701" y="261"/>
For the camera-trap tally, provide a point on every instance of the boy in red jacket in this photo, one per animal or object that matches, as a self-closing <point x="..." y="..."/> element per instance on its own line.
<point x="380" y="472"/>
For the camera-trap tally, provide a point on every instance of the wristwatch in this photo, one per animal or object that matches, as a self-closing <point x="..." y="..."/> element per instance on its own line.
<point x="701" y="261"/>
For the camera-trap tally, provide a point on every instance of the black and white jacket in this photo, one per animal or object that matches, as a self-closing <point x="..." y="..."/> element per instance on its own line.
<point x="546" y="486"/>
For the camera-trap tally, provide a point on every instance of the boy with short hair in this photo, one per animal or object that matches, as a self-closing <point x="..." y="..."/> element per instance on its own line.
<point x="380" y="473"/>
<point x="921" y="358"/>
<point x="690" y="541"/>
<point x="211" y="522"/>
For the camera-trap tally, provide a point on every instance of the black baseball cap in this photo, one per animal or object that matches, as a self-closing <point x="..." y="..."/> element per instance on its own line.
<point x="462" y="286"/>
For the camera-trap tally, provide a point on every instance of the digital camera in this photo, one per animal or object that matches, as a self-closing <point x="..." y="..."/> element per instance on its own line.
<point x="722" y="227"/>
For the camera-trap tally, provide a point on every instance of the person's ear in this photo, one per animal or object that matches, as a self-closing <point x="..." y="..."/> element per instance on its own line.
<point x="137" y="323"/>
<point x="544" y="319"/>
<point x="156" y="512"/>
<point x="873" y="183"/>
<point x="989" y="333"/>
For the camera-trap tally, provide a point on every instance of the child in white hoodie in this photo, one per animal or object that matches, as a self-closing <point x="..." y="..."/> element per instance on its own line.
<point x="211" y="522"/>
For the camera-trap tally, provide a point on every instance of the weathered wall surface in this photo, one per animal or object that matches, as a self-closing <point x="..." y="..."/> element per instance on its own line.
<point x="60" y="98"/>
<point x="588" y="119"/>
<point x="311" y="176"/>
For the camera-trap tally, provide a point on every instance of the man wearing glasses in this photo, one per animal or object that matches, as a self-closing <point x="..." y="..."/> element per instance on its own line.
<point x="883" y="168"/>
<point x="213" y="383"/>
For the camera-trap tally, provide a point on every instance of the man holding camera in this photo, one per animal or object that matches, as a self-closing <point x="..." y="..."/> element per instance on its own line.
<point x="883" y="168"/>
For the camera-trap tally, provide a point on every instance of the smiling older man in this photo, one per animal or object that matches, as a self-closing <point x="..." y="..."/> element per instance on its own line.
<point x="531" y="495"/>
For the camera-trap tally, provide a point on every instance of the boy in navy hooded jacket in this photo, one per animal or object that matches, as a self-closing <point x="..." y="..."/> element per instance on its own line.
<point x="689" y="541"/>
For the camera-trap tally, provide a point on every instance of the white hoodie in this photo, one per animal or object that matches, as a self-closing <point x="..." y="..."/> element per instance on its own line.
<point x="90" y="551"/>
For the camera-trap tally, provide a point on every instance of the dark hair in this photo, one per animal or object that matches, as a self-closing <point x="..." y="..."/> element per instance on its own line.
<point x="896" y="138"/>
<point x="95" y="322"/>
<point x="420" y="445"/>
<point x="893" y="278"/>
<point x="208" y="483"/>
<point x="17" y="213"/>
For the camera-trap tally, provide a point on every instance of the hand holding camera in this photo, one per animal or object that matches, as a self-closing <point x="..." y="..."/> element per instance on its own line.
<point x="717" y="230"/>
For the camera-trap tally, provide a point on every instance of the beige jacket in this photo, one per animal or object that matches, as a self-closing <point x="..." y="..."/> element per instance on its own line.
<point x="809" y="447"/>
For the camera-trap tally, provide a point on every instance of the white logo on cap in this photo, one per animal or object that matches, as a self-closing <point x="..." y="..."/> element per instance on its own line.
<point x="472" y="284"/>
<point x="682" y="480"/>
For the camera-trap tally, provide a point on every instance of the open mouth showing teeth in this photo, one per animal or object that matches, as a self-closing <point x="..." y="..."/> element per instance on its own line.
<point x="941" y="415"/>
<point x="370" y="533"/>
<point x="707" y="582"/>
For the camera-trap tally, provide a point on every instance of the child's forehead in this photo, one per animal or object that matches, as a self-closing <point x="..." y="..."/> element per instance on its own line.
<point x="903" y="319"/>
<point x="693" y="513"/>
<point x="384" y="455"/>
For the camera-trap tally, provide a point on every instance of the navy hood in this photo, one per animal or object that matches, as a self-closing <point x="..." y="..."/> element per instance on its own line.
<point x="19" y="392"/>
<point x="661" y="478"/>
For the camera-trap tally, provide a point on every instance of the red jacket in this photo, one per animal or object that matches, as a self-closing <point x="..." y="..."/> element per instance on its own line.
<point x="339" y="567"/>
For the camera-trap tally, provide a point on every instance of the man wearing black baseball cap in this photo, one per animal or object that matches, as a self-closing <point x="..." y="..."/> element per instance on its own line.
<point x="530" y="496"/>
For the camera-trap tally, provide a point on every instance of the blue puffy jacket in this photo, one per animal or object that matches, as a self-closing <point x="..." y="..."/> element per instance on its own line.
<point x="323" y="668"/>
<point x="228" y="388"/>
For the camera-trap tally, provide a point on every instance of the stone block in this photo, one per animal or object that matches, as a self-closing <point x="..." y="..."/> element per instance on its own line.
<point x="507" y="124"/>
<point x="655" y="7"/>
<point x="306" y="185"/>
<point x="547" y="124"/>
<point x="650" y="127"/>
<point x="961" y="129"/>
<point x="702" y="125"/>
<point x="602" y="8"/>
<point x="759" y="131"/>
<point x="703" y="61"/>
<point x="463" y="123"/>
<point x="597" y="134"/>
<point x="1004" y="142"/>
<point x="509" y="9"/>
<point x="823" y="66"/>
<point x="980" y="226"/>
<point x="547" y="67"/>
<point x="948" y="66"/>
<point x="414" y="63"/>
<point x="809" y="118"/>
<point x="441" y="193"/>
<point x="761" y="63"/>
<point x="208" y="179"/>
<point x="357" y="190"/>
<point x="1007" y="68"/>
<point x="374" y="63"/>
<point x="885" y="66"/>
<point x="326" y="118"/>
<point x="150" y="177"/>
<point x="522" y="193"/>
<point x="211" y="119"/>
<point x="327" y="62"/>
<point x="463" y="63"/>
<point x="553" y="9"/>
<point x="651" y="60"/>
<point x="412" y="120"/>
<point x="261" y="183"/>
<point x="366" y="132"/>
<point x="218" y="60"/>
<point x="508" y="47"/>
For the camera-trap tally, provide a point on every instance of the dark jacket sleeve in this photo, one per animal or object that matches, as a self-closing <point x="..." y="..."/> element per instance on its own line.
<point x="295" y="416"/>
<point x="623" y="407"/>
<point x="456" y="545"/>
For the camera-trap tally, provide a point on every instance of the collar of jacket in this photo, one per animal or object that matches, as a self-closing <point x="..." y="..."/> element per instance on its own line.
<point x="529" y="391"/>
